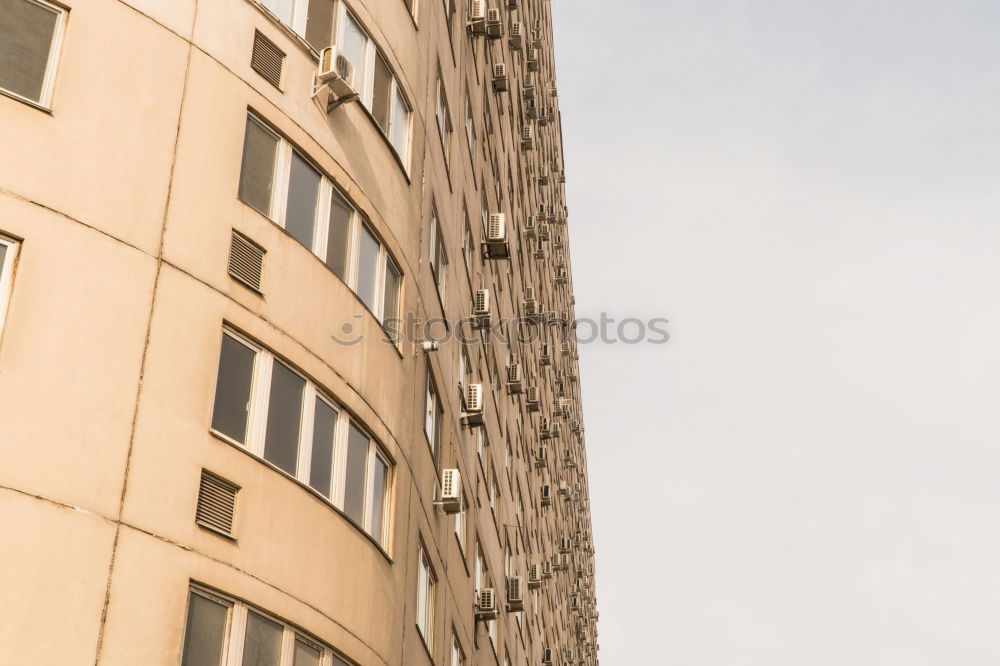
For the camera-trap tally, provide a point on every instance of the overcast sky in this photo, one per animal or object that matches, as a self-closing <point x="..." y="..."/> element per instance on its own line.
<point x="809" y="472"/>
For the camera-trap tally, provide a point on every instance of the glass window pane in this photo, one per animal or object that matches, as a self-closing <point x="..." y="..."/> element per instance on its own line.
<point x="303" y="191"/>
<point x="356" y="474"/>
<point x="400" y="132"/>
<point x="206" y="632"/>
<point x="281" y="8"/>
<point x="262" y="646"/>
<point x="390" y="304"/>
<point x="306" y="655"/>
<point x="257" y="172"/>
<point x="284" y="416"/>
<point x="337" y="661"/>
<point x="321" y="467"/>
<point x="3" y="255"/>
<point x="355" y="49"/>
<point x="367" y="268"/>
<point x="382" y="93"/>
<point x="338" y="241"/>
<point x="319" y="24"/>
<point x="26" y="31"/>
<point x="422" y="595"/>
<point x="379" y="480"/>
<point x="232" y="389"/>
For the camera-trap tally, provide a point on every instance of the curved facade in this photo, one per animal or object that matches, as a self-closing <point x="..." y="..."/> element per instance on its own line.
<point x="225" y="439"/>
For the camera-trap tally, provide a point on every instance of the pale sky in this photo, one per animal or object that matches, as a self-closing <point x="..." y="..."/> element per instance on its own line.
<point x="808" y="474"/>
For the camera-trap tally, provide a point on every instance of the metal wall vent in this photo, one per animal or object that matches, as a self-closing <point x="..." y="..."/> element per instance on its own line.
<point x="267" y="59"/>
<point x="216" y="504"/>
<point x="246" y="260"/>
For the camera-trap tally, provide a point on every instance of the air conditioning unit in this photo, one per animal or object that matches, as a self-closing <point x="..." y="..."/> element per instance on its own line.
<point x="544" y="115"/>
<point x="481" y="308"/>
<point x="528" y="137"/>
<point x="486" y="605"/>
<point x="539" y="252"/>
<point x="543" y="231"/>
<point x="552" y="91"/>
<point x="472" y="412"/>
<point x="500" y="77"/>
<point x="546" y="570"/>
<point x="495" y="246"/>
<point x="528" y="86"/>
<point x="543" y="213"/>
<point x="541" y="457"/>
<point x="477" y="18"/>
<point x="515" y="379"/>
<point x="531" y="400"/>
<point x="543" y="175"/>
<point x="561" y="276"/>
<point x="532" y="60"/>
<point x="451" y="491"/>
<point x="516" y="36"/>
<point x="547" y="657"/>
<point x="530" y="225"/>
<point x="494" y="24"/>
<point x="336" y="74"/>
<point x="546" y="499"/>
<point x="515" y="599"/>
<point x="567" y="348"/>
<point x="545" y="355"/>
<point x="534" y="577"/>
<point x="558" y="243"/>
<point x="530" y="109"/>
<point x="565" y="545"/>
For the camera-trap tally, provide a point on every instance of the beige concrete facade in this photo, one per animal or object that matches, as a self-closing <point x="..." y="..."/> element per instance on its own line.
<point x="119" y="192"/>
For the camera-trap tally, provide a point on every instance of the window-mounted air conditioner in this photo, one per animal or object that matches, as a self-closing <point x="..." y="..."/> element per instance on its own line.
<point x="546" y="569"/>
<point x="561" y="276"/>
<point x="500" y="77"/>
<point x="486" y="605"/>
<point x="543" y="175"/>
<point x="451" y="491"/>
<point x="532" y="60"/>
<point x="515" y="598"/>
<point x="481" y="308"/>
<point x="494" y="24"/>
<point x="477" y="18"/>
<point x="515" y="379"/>
<point x="528" y="137"/>
<point x="541" y="456"/>
<point x="495" y="245"/>
<point x="531" y="399"/>
<point x="516" y="36"/>
<point x="534" y="577"/>
<point x="543" y="231"/>
<point x="546" y="498"/>
<point x="545" y="354"/>
<point x="530" y="226"/>
<point x="472" y="409"/>
<point x="335" y="74"/>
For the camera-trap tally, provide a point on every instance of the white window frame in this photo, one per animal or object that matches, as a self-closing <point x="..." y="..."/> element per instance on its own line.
<point x="260" y="389"/>
<point x="442" y="115"/>
<point x="457" y="654"/>
<point x="235" y="634"/>
<point x="438" y="257"/>
<point x="7" y="276"/>
<point x="426" y="597"/>
<point x="366" y="90"/>
<point x="278" y="207"/>
<point x="55" y="47"/>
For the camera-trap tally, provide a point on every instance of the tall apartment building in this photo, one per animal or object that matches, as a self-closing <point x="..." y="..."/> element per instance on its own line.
<point x="228" y="231"/>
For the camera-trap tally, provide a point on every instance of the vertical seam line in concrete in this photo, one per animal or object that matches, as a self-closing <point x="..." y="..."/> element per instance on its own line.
<point x="145" y="347"/>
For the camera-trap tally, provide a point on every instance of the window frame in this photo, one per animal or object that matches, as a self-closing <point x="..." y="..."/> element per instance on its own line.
<point x="12" y="249"/>
<point x="234" y="636"/>
<point x="442" y="116"/>
<point x="256" y="430"/>
<point x="438" y="257"/>
<point x="44" y="100"/>
<point x="367" y="88"/>
<point x="424" y="615"/>
<point x="277" y="211"/>
<point x="433" y="416"/>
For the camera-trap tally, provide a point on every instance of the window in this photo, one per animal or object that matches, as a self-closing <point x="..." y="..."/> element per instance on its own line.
<point x="8" y="252"/>
<point x="30" y="32"/>
<point x="425" y="597"/>
<point x="470" y="124"/>
<point x="312" y="19"/>
<point x="311" y="209"/>
<point x="461" y="524"/>
<point x="269" y="409"/>
<point x="439" y="257"/>
<point x="433" y="417"/>
<point x="216" y="624"/>
<point x="457" y="656"/>
<point x="378" y="87"/>
<point x="443" y="121"/>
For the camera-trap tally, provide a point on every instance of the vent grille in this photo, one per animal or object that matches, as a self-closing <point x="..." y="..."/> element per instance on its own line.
<point x="216" y="504"/>
<point x="267" y="59"/>
<point x="246" y="261"/>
